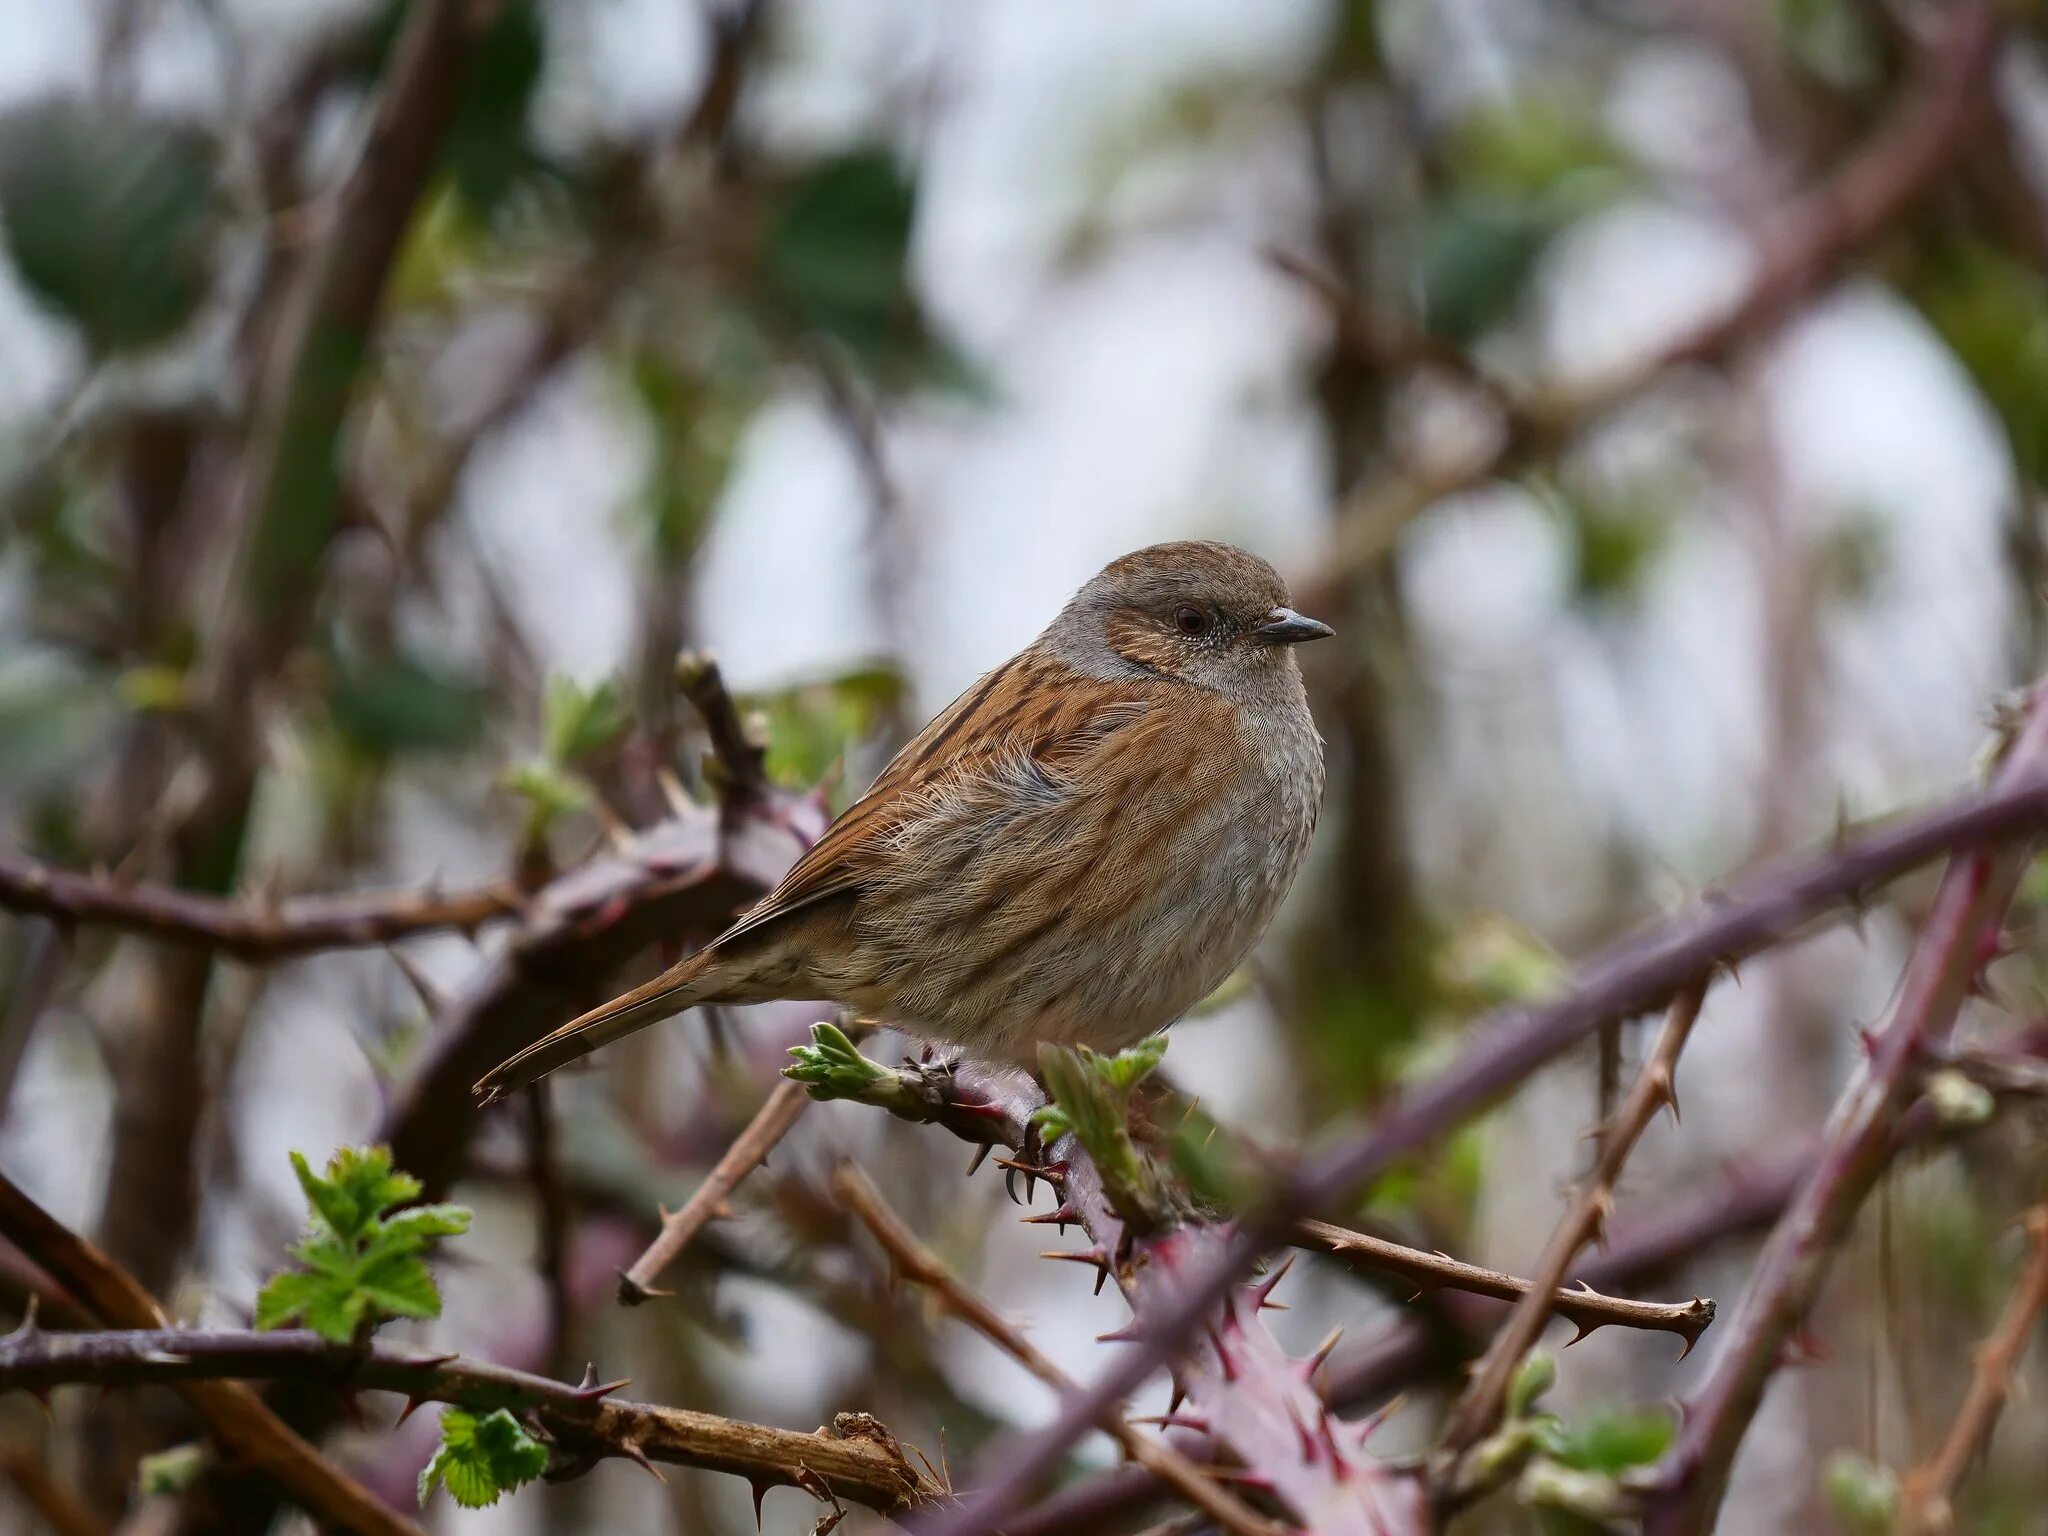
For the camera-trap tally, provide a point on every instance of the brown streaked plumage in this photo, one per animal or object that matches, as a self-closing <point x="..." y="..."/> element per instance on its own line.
<point x="1078" y="849"/>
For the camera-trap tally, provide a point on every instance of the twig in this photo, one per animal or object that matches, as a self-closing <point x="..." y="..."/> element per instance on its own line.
<point x="1586" y="1307"/>
<point x="741" y="754"/>
<point x="859" y="1461"/>
<point x="1630" y="978"/>
<point x="552" y="1206"/>
<point x="249" y="930"/>
<point x="1861" y="1137"/>
<point x="1926" y="1506"/>
<point x="919" y="1265"/>
<point x="784" y="1106"/>
<point x="1478" y="1410"/>
<point x="234" y="1414"/>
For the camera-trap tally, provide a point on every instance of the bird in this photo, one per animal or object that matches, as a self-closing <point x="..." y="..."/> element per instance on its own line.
<point x="1077" y="850"/>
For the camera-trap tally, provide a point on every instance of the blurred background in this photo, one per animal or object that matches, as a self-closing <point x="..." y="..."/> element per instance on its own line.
<point x="1653" y="395"/>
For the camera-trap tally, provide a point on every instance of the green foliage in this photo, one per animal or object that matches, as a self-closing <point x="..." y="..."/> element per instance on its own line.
<point x="1863" y="1495"/>
<point x="173" y="1471"/>
<point x="55" y="718"/>
<point x="362" y="1258"/>
<point x="110" y="217"/>
<point x="1536" y="1375"/>
<point x="1520" y="174"/>
<point x="389" y="705"/>
<point x="1993" y="313"/>
<point x="811" y="727"/>
<point x="1610" y="1442"/>
<point x="698" y="410"/>
<point x="832" y="1067"/>
<point x="1091" y="1101"/>
<point x="480" y="1459"/>
<point x="577" y="722"/>
<point x="834" y="261"/>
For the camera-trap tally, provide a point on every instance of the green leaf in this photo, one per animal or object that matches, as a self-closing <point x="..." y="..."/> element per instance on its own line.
<point x="1536" y="1375"/>
<point x="479" y="1460"/>
<point x="1473" y="258"/>
<point x="361" y="1262"/>
<point x="835" y="255"/>
<point x="329" y="1199"/>
<point x="287" y="1297"/>
<point x="577" y="721"/>
<point x="110" y="217"/>
<point x="1134" y="1063"/>
<point x="1863" y="1495"/>
<point x="831" y="1066"/>
<point x="395" y="704"/>
<point x="1612" y="1442"/>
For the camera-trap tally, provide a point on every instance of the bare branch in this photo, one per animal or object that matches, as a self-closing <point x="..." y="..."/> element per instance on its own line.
<point x="919" y="1265"/>
<point x="1926" y="1498"/>
<point x="784" y="1106"/>
<point x="249" y="930"/>
<point x="1478" y="1410"/>
<point x="234" y="1414"/>
<point x="858" y="1461"/>
<point x="1587" y="1308"/>
<point x="736" y="746"/>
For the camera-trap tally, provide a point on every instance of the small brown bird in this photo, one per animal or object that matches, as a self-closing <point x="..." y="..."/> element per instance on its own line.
<point x="1078" y="850"/>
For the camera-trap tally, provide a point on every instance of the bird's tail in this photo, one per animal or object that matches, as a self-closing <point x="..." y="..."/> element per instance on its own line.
<point x="681" y="986"/>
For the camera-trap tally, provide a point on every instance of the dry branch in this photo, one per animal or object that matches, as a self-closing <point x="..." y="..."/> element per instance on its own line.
<point x="1926" y="1497"/>
<point x="1585" y="1307"/>
<point x="233" y="1413"/>
<point x="857" y="1460"/>
<point x="1478" y="1410"/>
<point x="249" y="929"/>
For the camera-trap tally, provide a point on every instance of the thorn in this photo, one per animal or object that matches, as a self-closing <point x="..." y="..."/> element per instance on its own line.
<point x="1129" y="1333"/>
<point x="1586" y="1329"/>
<point x="1305" y="1437"/>
<point x="632" y="1293"/>
<point x="1369" y="1426"/>
<point x="1178" y="1396"/>
<point x="980" y="1156"/>
<point x="632" y="1449"/>
<point x="1094" y="1256"/>
<point x="760" y="1485"/>
<point x="1059" y="1217"/>
<point x="31" y="1310"/>
<point x="1262" y="1288"/>
<point x="1316" y="1357"/>
<point x="1194" y="1423"/>
<point x="591" y="1390"/>
<point x="1054" y="1174"/>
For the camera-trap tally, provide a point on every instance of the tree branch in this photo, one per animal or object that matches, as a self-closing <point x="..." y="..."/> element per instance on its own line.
<point x="249" y="930"/>
<point x="1587" y="1308"/>
<point x="233" y="1413"/>
<point x="858" y="1460"/>
<point x="1926" y="1498"/>
<point x="1861" y="1136"/>
<point x="1478" y="1409"/>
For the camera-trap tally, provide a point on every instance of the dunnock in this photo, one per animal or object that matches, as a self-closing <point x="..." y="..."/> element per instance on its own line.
<point x="1078" y="850"/>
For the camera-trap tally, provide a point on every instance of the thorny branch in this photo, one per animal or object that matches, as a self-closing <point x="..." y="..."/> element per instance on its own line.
<point x="1478" y="1410"/>
<point x="250" y="929"/>
<point x="1627" y="979"/>
<point x="1585" y="1307"/>
<point x="919" y="1265"/>
<point x="234" y="1414"/>
<point x="857" y="1459"/>
<point x="1926" y="1497"/>
<point x="1861" y="1134"/>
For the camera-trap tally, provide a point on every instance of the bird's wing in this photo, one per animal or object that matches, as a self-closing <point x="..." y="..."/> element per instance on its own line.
<point x="1032" y="716"/>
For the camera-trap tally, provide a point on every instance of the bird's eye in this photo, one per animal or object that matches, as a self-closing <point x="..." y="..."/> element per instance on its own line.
<point x="1191" y="621"/>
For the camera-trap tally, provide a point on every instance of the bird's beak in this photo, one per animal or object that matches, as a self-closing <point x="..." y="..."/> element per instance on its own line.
<point x="1284" y="626"/>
